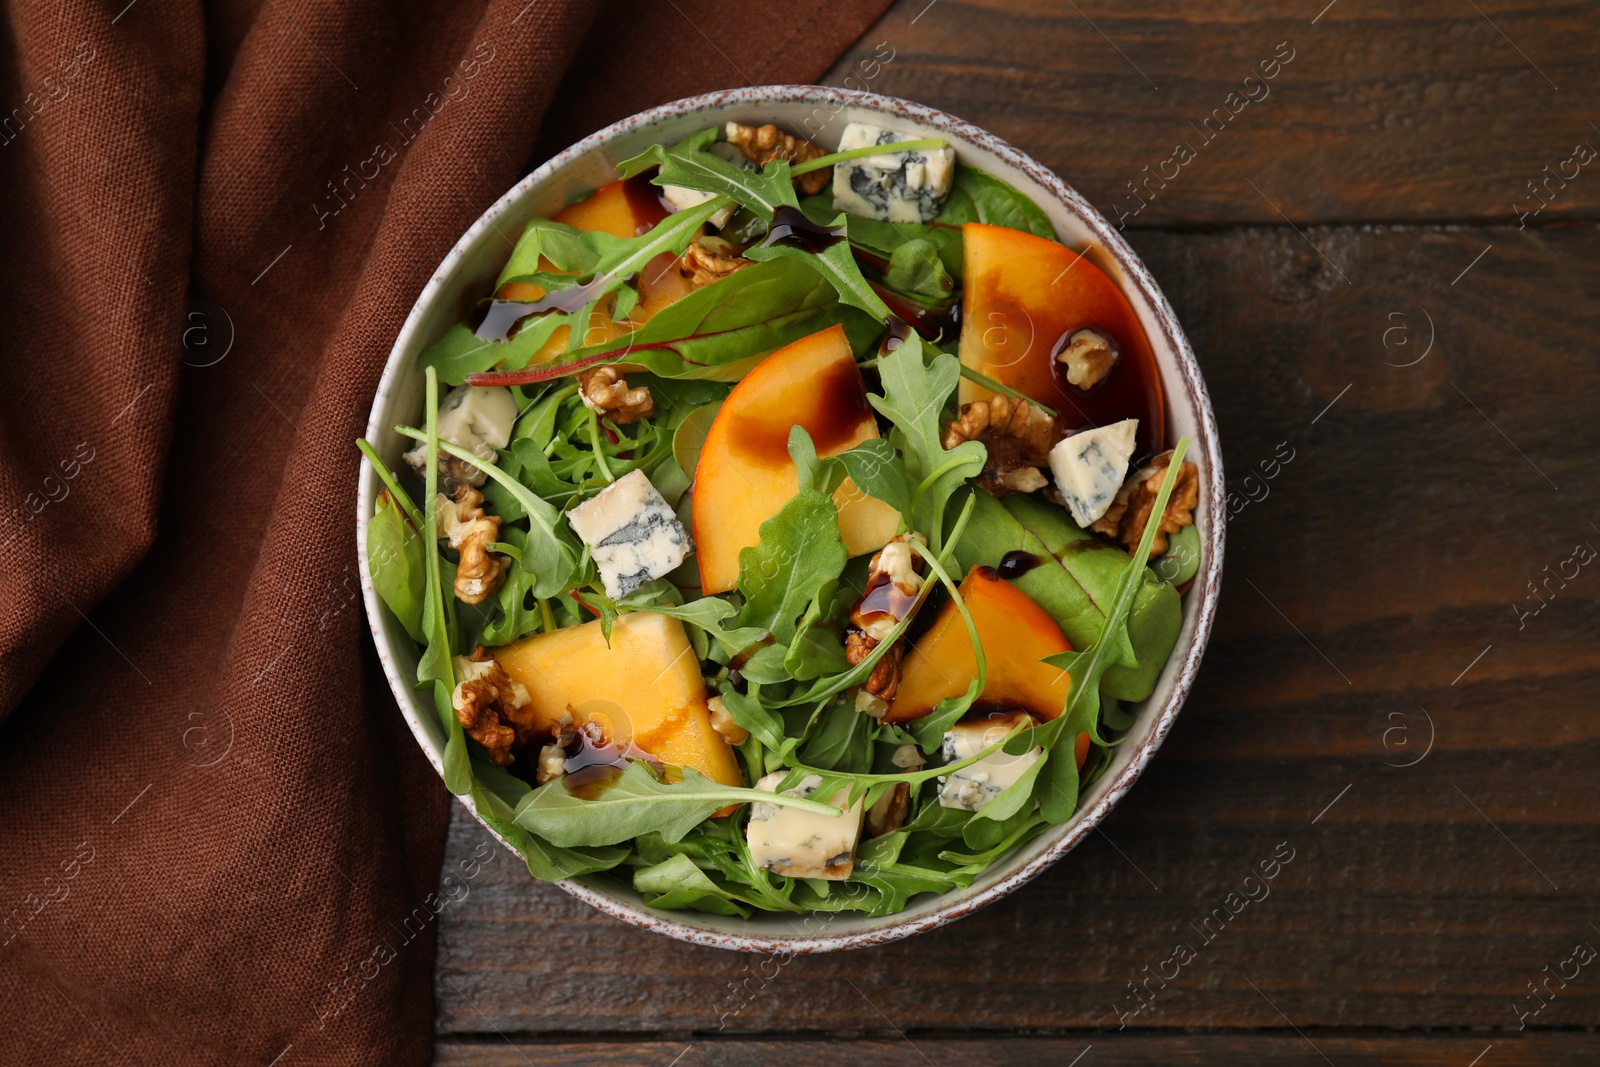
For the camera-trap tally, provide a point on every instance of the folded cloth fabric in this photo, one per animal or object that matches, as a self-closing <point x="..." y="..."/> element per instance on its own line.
<point x="221" y="844"/>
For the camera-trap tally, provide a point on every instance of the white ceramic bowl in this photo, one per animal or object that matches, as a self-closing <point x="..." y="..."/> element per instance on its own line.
<point x="821" y="114"/>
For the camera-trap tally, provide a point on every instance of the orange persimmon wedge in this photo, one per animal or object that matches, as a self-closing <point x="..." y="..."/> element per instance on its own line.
<point x="1022" y="297"/>
<point x="643" y="689"/>
<point x="1016" y="633"/>
<point x="745" y="476"/>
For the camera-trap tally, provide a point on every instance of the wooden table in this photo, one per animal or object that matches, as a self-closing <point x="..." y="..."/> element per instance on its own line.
<point x="1375" y="290"/>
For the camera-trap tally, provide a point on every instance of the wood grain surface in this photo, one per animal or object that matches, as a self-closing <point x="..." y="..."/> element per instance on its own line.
<point x="1380" y="696"/>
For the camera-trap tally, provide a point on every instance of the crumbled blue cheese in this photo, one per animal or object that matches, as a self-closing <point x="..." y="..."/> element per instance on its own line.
<point x="803" y="844"/>
<point x="478" y="418"/>
<point x="1090" y="466"/>
<point x="631" y="532"/>
<point x="908" y="186"/>
<point x="973" y="786"/>
<point x="681" y="199"/>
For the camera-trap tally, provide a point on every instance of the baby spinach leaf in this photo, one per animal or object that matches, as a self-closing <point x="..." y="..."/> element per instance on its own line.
<point x="841" y="742"/>
<point x="980" y="197"/>
<point x="637" y="802"/>
<point x="394" y="559"/>
<point x="798" y="557"/>
<point x="691" y="165"/>
<point x="915" y="394"/>
<point x="916" y="270"/>
<point x="690" y="436"/>
<point x="1058" y="785"/>
<point x="1076" y="581"/>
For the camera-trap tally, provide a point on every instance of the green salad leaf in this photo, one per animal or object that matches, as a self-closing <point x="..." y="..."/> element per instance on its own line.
<point x="979" y="197"/>
<point x="636" y="802"/>
<point x="836" y="263"/>
<point x="691" y="165"/>
<point x="915" y="392"/>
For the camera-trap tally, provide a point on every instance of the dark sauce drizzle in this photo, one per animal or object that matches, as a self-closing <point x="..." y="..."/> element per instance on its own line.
<point x="1016" y="563"/>
<point x="501" y="318"/>
<point x="791" y="227"/>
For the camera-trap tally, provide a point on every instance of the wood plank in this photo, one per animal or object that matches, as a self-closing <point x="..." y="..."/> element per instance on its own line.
<point x="1393" y="544"/>
<point x="1425" y="110"/>
<point x="1096" y="1049"/>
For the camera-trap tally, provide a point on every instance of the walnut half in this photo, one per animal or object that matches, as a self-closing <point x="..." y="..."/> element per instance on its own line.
<point x="1088" y="357"/>
<point x="470" y="531"/>
<point x="1018" y="436"/>
<point x="762" y="144"/>
<point x="606" y="391"/>
<point x="495" y="711"/>
<point x="1130" y="511"/>
<point x="710" y="259"/>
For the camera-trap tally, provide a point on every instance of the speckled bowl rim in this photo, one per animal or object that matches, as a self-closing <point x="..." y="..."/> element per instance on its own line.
<point x="1207" y="451"/>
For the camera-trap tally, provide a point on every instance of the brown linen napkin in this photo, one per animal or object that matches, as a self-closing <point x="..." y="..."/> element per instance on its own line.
<point x="220" y="843"/>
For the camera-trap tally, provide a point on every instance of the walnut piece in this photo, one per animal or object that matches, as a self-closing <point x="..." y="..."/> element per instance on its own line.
<point x="606" y="391"/>
<point x="763" y="144"/>
<point x="470" y="531"/>
<point x="1088" y="358"/>
<point x="1018" y="436"/>
<point x="889" y="813"/>
<point x="710" y="259"/>
<point x="885" y="676"/>
<point x="894" y="579"/>
<point x="495" y="711"/>
<point x="1130" y="511"/>
<point x="722" y="722"/>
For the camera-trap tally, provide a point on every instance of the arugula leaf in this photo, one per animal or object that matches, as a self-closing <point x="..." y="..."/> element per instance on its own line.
<point x="496" y="792"/>
<point x="837" y="264"/>
<point x="637" y="802"/>
<point x="880" y="240"/>
<point x="561" y="245"/>
<point x="980" y="197"/>
<point x="678" y="883"/>
<point x="915" y="394"/>
<point x="551" y="554"/>
<point x="1059" y="783"/>
<point x="709" y="614"/>
<point x="691" y="165"/>
<point x="877" y="471"/>
<point x="750" y="714"/>
<point x="799" y="556"/>
<point x="434" y="668"/>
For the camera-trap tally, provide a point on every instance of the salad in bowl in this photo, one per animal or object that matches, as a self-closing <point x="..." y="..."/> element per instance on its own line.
<point x="789" y="525"/>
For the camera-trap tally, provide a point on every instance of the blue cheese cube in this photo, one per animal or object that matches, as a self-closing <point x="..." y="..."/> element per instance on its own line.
<point x="906" y="186"/>
<point x="1090" y="466"/>
<point x="631" y="532"/>
<point x="478" y="418"/>
<point x="973" y="786"/>
<point x="803" y="844"/>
